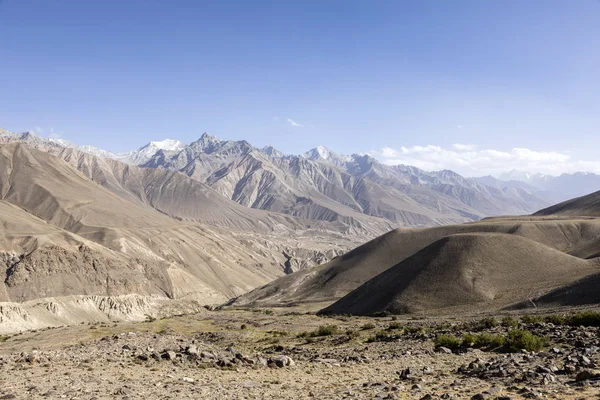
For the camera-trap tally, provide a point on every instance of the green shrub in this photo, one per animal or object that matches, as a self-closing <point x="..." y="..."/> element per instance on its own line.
<point x="3" y="338"/>
<point x="352" y="334"/>
<point x="450" y="342"/>
<point x="483" y="340"/>
<point x="367" y="327"/>
<point x="244" y="326"/>
<point x="468" y="339"/>
<point x="524" y="340"/>
<point x="510" y="322"/>
<point x="531" y="319"/>
<point x="556" y="319"/>
<point x="409" y="330"/>
<point x="325" y="330"/>
<point x="268" y="312"/>
<point x="380" y="336"/>
<point x="488" y="341"/>
<point x="380" y="314"/>
<point x="394" y="325"/>
<point x="587" y="318"/>
<point x="487" y="323"/>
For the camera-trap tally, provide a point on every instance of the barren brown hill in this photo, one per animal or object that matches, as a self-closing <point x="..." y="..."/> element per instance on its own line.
<point x="581" y="206"/>
<point x="332" y="281"/>
<point x="584" y="291"/>
<point x="477" y="272"/>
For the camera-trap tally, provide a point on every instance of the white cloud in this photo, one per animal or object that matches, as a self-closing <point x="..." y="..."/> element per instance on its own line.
<point x="294" y="123"/>
<point x="468" y="160"/>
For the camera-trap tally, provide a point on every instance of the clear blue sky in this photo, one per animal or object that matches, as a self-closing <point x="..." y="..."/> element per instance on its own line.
<point x="358" y="75"/>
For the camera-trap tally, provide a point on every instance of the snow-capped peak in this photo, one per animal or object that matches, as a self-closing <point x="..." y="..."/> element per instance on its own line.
<point x="324" y="154"/>
<point x="168" y="144"/>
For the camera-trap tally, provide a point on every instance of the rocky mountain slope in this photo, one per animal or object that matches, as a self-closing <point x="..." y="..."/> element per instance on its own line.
<point x="66" y="234"/>
<point x="322" y="185"/>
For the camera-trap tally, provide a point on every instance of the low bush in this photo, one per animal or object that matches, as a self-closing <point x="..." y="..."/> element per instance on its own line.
<point x="352" y="334"/>
<point x="587" y="318"/>
<point x="532" y="319"/>
<point x="483" y="340"/>
<point x="556" y="319"/>
<point x="381" y="336"/>
<point x="524" y="340"/>
<point x="509" y="322"/>
<point x="486" y="323"/>
<point x="323" y="330"/>
<point x="448" y="341"/>
<point x="488" y="341"/>
<point x="367" y="327"/>
<point x="394" y="325"/>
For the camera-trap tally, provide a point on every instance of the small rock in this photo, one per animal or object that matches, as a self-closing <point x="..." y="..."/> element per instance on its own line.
<point x="584" y="375"/>
<point x="169" y="355"/>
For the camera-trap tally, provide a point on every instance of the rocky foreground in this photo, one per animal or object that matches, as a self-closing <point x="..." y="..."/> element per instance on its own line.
<point x="264" y="354"/>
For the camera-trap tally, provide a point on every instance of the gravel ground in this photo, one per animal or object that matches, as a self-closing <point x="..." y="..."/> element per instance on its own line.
<point x="259" y="355"/>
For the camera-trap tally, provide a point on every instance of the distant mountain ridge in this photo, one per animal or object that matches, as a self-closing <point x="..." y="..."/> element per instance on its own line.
<point x="552" y="188"/>
<point x="356" y="190"/>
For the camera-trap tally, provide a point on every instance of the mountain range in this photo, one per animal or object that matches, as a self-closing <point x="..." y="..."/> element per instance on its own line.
<point x="356" y="191"/>
<point x="210" y="221"/>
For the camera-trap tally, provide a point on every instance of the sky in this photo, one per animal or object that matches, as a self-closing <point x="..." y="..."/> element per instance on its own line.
<point x="474" y="86"/>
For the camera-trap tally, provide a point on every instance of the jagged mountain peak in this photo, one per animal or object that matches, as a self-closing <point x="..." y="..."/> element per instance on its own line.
<point x="322" y="153"/>
<point x="206" y="143"/>
<point x="272" y="151"/>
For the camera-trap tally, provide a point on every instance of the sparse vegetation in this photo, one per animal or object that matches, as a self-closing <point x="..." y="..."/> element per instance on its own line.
<point x="323" y="330"/>
<point x="367" y="326"/>
<point x="488" y="341"/>
<point x="394" y="325"/>
<point x="587" y="318"/>
<point x="556" y="319"/>
<point x="3" y="338"/>
<point x="450" y="342"/>
<point x="380" y="314"/>
<point x="519" y="339"/>
<point x="381" y="336"/>
<point x="485" y="323"/>
<point x="532" y="319"/>
<point x="352" y="334"/>
<point x="509" y="322"/>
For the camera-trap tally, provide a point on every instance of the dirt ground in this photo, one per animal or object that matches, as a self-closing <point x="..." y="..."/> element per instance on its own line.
<point x="278" y="354"/>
